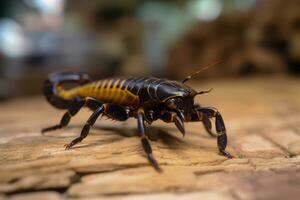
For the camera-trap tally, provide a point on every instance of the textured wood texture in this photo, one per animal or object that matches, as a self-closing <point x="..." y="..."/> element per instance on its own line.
<point x="263" y="122"/>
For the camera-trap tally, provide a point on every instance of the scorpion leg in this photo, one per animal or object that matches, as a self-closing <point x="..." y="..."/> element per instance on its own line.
<point x="170" y="116"/>
<point x="200" y="116"/>
<point x="220" y="128"/>
<point x="73" y="110"/>
<point x="207" y="125"/>
<point x="145" y="142"/>
<point x="112" y="111"/>
<point x="86" y="129"/>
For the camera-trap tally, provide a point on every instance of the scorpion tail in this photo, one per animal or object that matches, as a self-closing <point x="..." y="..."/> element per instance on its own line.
<point x="54" y="83"/>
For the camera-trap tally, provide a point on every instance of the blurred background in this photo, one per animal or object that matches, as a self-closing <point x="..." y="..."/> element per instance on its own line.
<point x="141" y="37"/>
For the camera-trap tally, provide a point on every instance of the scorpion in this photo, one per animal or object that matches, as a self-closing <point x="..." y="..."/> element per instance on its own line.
<point x="146" y="99"/>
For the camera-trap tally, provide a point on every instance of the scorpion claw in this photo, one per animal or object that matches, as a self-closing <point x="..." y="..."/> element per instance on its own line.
<point x="180" y="125"/>
<point x="180" y="115"/>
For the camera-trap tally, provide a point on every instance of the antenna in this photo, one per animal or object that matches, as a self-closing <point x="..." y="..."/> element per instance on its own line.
<point x="205" y="91"/>
<point x="198" y="72"/>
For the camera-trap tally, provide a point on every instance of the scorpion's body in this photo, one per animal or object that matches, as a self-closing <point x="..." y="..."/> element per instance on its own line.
<point x="145" y="98"/>
<point x="129" y="92"/>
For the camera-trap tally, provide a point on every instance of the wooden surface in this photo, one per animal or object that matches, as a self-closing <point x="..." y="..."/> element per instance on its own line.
<point x="263" y="122"/>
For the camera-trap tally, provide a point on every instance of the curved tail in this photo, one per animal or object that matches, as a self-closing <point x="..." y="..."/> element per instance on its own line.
<point x="55" y="81"/>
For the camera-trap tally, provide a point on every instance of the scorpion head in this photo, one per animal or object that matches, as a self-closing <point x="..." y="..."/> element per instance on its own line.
<point x="182" y="100"/>
<point x="178" y="97"/>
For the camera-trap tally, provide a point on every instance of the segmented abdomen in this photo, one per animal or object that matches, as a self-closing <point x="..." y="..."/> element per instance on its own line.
<point x="106" y="90"/>
<point x="128" y="92"/>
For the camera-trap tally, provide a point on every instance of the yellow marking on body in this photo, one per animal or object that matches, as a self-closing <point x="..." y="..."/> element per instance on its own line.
<point x="122" y="83"/>
<point x="85" y="90"/>
<point x="95" y="89"/>
<point x="107" y="95"/>
<point x="66" y="94"/>
<point x="108" y="92"/>
<point x="126" y="97"/>
<point x="130" y="98"/>
<point x="102" y="87"/>
<point x="101" y="92"/>
<point x="90" y="89"/>
<point x="115" y="91"/>
<point x="121" y="92"/>
<point x="97" y="86"/>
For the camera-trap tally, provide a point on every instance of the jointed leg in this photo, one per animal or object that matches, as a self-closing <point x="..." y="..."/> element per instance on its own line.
<point x="73" y="110"/>
<point x="145" y="142"/>
<point x="85" y="131"/>
<point x="222" y="137"/>
<point x="207" y="125"/>
<point x="112" y="111"/>
<point x="200" y="116"/>
<point x="93" y="104"/>
<point x="220" y="128"/>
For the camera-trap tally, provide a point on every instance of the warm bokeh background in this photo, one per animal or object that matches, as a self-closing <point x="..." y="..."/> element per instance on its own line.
<point x="256" y="89"/>
<point x="133" y="37"/>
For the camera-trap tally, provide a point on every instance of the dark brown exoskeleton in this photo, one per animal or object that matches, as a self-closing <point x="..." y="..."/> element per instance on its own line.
<point x="145" y="98"/>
